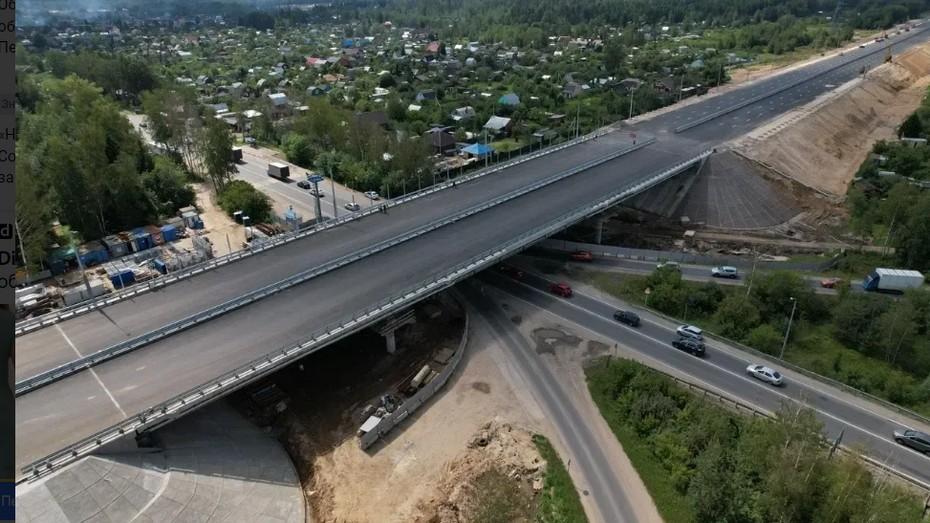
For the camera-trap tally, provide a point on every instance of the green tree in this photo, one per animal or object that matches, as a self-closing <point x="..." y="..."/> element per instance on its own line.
<point x="33" y="215"/>
<point x="168" y="187"/>
<point x="239" y="195"/>
<point x="911" y="128"/>
<point x="298" y="150"/>
<point x="765" y="338"/>
<point x="737" y="315"/>
<point x="217" y="153"/>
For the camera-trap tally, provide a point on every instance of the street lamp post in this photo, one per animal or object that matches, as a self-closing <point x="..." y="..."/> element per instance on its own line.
<point x="794" y="305"/>
<point x="77" y="254"/>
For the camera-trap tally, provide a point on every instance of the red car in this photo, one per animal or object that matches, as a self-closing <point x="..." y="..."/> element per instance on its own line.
<point x="513" y="272"/>
<point x="561" y="289"/>
<point x="829" y="283"/>
<point x="582" y="256"/>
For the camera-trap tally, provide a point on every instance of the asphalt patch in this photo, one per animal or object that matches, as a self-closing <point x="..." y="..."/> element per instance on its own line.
<point x="548" y="340"/>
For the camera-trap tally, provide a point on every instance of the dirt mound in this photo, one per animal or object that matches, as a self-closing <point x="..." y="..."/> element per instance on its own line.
<point x="823" y="144"/>
<point x="500" y="460"/>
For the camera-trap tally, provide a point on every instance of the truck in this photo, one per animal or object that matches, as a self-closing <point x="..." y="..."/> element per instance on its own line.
<point x="892" y="280"/>
<point x="236" y="154"/>
<point x="279" y="170"/>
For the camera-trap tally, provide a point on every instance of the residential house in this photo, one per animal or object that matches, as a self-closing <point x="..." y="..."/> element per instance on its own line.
<point x="572" y="89"/>
<point x="279" y="105"/>
<point x="236" y="90"/>
<point x="498" y="125"/>
<point x="318" y="90"/>
<point x="509" y="100"/>
<point x="441" y="141"/>
<point x="463" y="114"/>
<point x="478" y="150"/>
<point x="426" y="95"/>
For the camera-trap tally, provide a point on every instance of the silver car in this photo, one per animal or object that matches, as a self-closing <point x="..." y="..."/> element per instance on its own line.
<point x="916" y="440"/>
<point x="765" y="374"/>
<point x="352" y="206"/>
<point x="690" y="331"/>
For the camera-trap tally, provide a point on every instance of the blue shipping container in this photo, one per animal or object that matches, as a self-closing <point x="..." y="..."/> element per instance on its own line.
<point x="122" y="277"/>
<point x="160" y="266"/>
<point x="142" y="239"/>
<point x="169" y="232"/>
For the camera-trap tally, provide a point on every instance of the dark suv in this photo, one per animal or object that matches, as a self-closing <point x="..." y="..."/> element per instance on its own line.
<point x="913" y="439"/>
<point x="689" y="345"/>
<point x="627" y="317"/>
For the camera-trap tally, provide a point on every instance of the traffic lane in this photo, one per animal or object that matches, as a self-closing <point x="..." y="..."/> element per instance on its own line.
<point x="283" y="194"/>
<point x="37" y="350"/>
<point x="575" y="434"/>
<point x="259" y="165"/>
<point x="853" y="60"/>
<point x="35" y="434"/>
<point x="168" y="367"/>
<point x="727" y="373"/>
<point x="691" y="272"/>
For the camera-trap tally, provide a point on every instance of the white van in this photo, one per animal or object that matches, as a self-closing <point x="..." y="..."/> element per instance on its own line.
<point x="690" y="331"/>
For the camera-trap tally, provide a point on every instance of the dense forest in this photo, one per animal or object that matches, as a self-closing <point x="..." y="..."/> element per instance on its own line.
<point x="703" y="462"/>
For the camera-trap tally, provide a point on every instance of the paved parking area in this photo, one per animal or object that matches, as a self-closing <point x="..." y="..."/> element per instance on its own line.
<point x="215" y="466"/>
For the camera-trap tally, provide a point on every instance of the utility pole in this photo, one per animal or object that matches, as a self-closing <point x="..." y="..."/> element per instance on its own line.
<point x="784" y="343"/>
<point x="753" y="273"/>
<point x="77" y="255"/>
<point x="632" y="93"/>
<point x="332" y="183"/>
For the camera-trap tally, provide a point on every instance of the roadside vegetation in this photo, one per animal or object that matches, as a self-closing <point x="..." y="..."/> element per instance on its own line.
<point x="875" y="343"/>
<point x="890" y="202"/>
<point x="702" y="462"/>
<point x="559" y="501"/>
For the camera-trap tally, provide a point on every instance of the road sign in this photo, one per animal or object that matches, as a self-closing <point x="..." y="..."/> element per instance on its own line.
<point x="315" y="178"/>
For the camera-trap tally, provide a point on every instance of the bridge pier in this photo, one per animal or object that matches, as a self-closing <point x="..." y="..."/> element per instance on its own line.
<point x="600" y="229"/>
<point x="389" y="327"/>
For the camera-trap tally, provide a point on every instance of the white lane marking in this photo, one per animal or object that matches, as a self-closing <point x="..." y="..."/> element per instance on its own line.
<point x="92" y="371"/>
<point x="754" y="382"/>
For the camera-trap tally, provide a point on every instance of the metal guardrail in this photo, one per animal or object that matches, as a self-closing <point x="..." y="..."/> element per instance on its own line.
<point x="179" y="405"/>
<point x="162" y="281"/>
<point x="756" y="411"/>
<point x="174" y="327"/>
<point x="423" y="395"/>
<point x="754" y="99"/>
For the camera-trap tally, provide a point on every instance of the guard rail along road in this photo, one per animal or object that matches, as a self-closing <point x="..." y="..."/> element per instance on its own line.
<point x="738" y="406"/>
<point x="181" y="404"/>
<point x="410" y="405"/>
<point x="105" y="354"/>
<point x="134" y="290"/>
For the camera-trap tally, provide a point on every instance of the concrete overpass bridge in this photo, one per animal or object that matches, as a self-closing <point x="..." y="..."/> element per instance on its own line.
<point x="137" y="360"/>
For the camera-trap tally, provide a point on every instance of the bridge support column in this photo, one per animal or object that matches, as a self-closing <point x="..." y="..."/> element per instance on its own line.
<point x="387" y="328"/>
<point x="600" y="229"/>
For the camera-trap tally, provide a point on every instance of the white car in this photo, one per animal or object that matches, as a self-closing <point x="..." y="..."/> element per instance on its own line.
<point x="318" y="193"/>
<point x="724" y="271"/>
<point x="690" y="331"/>
<point x="765" y="374"/>
<point x="372" y="195"/>
<point x="352" y="206"/>
<point x="675" y="266"/>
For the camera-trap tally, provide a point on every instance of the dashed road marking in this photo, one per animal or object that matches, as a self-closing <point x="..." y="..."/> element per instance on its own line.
<point x="91" y="371"/>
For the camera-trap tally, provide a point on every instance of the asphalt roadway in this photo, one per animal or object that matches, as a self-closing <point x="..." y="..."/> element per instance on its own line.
<point x="689" y="272"/>
<point x="605" y="489"/>
<point x="54" y="416"/>
<point x="724" y="369"/>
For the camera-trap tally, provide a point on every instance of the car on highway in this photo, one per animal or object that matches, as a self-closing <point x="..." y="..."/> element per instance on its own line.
<point x="317" y="192"/>
<point x="766" y="374"/>
<point x="352" y="206"/>
<point x="250" y="140"/>
<point x="830" y="283"/>
<point x="304" y="184"/>
<point x="690" y="331"/>
<point x="724" y="271"/>
<point x="919" y="441"/>
<point x="561" y="289"/>
<point x="691" y="345"/>
<point x="582" y="256"/>
<point x="372" y="195"/>
<point x="511" y="271"/>
<point x="627" y="317"/>
<point x="675" y="266"/>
